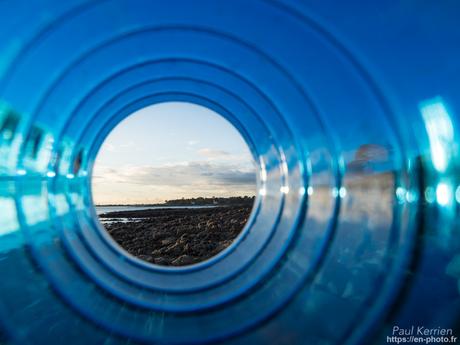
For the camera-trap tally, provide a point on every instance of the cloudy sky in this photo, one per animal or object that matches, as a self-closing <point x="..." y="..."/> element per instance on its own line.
<point x="169" y="151"/>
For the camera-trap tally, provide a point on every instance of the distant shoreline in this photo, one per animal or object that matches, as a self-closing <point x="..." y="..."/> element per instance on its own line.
<point x="146" y="212"/>
<point x="214" y="201"/>
<point x="129" y="205"/>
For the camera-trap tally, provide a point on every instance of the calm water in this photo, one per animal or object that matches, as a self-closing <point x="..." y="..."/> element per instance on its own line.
<point x="105" y="209"/>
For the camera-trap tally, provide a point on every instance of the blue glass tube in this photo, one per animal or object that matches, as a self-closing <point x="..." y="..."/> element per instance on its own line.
<point x="350" y="111"/>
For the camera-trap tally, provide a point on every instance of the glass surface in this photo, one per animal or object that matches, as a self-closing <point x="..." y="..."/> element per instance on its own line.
<point x="351" y="111"/>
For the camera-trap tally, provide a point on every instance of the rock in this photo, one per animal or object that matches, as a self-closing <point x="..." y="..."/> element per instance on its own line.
<point x="179" y="236"/>
<point x="145" y="257"/>
<point x="184" y="239"/>
<point x="161" y="261"/>
<point x="183" y="260"/>
<point x="157" y="253"/>
<point x="210" y="224"/>
<point x="168" y="241"/>
<point x="175" y="249"/>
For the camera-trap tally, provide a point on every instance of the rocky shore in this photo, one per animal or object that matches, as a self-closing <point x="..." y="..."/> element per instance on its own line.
<point x="177" y="237"/>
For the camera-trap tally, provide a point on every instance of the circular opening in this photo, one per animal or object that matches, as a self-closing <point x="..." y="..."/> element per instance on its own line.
<point x="174" y="183"/>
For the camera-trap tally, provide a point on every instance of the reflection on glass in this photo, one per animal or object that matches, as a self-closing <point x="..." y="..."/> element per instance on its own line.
<point x="440" y="132"/>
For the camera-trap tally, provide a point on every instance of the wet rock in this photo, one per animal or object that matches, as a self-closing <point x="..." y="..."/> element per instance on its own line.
<point x="168" y="241"/>
<point x="161" y="261"/>
<point x="183" y="260"/>
<point x="174" y="250"/>
<point x="179" y="236"/>
<point x="145" y="257"/>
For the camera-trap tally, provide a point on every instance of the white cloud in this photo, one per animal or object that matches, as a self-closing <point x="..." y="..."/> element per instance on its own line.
<point x="212" y="153"/>
<point x="187" y="173"/>
<point x="170" y="181"/>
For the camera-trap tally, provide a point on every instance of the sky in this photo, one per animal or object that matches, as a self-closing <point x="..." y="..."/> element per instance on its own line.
<point x="169" y="151"/>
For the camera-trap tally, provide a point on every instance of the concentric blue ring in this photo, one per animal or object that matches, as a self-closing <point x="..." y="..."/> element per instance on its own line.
<point x="351" y="120"/>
